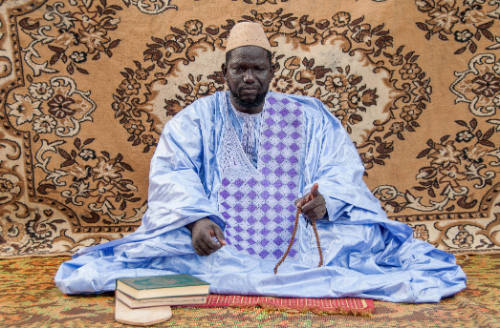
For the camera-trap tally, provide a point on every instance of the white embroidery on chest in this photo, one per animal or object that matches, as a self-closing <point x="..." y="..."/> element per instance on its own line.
<point x="249" y="129"/>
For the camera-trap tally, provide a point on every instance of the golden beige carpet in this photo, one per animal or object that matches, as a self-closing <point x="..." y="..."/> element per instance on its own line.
<point x="29" y="298"/>
<point x="87" y="85"/>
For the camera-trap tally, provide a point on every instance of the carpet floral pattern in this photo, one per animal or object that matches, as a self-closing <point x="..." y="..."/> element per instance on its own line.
<point x="30" y="299"/>
<point x="86" y="87"/>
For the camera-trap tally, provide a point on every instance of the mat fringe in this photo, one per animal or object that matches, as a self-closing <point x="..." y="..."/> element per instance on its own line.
<point x="344" y="306"/>
<point x="270" y="308"/>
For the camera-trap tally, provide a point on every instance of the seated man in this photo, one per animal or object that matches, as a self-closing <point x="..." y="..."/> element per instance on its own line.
<point x="223" y="185"/>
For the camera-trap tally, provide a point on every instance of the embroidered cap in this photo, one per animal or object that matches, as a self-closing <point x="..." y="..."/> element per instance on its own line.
<point x="247" y="34"/>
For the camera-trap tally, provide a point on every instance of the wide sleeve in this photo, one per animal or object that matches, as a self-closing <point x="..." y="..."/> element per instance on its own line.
<point x="333" y="162"/>
<point x="182" y="170"/>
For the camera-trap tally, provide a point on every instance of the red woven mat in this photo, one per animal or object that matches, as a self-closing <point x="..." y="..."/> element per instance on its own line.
<point x="347" y="305"/>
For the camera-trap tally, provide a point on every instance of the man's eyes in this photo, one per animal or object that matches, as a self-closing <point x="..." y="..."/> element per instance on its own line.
<point x="241" y="69"/>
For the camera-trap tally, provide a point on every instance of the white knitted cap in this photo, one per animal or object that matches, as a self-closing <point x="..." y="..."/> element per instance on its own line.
<point x="247" y="34"/>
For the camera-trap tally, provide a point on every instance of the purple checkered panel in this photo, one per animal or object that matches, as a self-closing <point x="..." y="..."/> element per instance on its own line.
<point x="258" y="203"/>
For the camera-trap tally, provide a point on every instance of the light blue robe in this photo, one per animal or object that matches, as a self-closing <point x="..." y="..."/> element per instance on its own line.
<point x="365" y="253"/>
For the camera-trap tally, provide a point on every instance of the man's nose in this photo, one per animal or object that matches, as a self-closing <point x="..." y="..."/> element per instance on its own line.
<point x="248" y="76"/>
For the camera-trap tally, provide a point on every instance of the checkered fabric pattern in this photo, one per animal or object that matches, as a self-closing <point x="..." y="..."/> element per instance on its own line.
<point x="258" y="208"/>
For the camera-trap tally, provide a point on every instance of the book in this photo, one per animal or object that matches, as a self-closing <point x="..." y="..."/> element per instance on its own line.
<point x="141" y="317"/>
<point x="162" y="286"/>
<point x="158" y="301"/>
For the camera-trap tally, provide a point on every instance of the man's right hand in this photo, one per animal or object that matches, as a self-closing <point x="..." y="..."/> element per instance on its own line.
<point x="202" y="233"/>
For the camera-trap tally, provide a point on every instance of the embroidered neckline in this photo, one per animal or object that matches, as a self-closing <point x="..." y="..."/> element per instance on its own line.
<point x="232" y="133"/>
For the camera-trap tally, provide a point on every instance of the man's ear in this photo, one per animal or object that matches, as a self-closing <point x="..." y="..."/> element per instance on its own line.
<point x="224" y="69"/>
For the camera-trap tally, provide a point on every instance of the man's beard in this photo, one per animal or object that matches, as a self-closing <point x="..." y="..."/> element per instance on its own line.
<point x="259" y="100"/>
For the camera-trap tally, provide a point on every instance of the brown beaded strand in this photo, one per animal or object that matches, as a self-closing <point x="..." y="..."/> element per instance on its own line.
<point x="295" y="226"/>
<point x="317" y="243"/>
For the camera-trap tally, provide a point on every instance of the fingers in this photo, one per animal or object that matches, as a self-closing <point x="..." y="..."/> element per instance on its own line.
<point x="219" y="236"/>
<point x="315" y="202"/>
<point x="309" y="197"/>
<point x="300" y="202"/>
<point x="315" y="214"/>
<point x="203" y="240"/>
<point x="315" y="209"/>
<point x="200" y="247"/>
<point x="314" y="191"/>
<point x="203" y="248"/>
<point x="200" y="251"/>
<point x="207" y="246"/>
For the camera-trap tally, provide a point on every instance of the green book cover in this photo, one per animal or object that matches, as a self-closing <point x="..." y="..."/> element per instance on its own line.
<point x="167" y="281"/>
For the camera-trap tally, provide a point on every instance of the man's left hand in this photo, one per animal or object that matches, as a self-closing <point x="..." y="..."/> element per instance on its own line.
<point x="312" y="205"/>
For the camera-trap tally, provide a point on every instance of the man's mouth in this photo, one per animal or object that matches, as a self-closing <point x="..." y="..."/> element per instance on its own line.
<point x="248" y="92"/>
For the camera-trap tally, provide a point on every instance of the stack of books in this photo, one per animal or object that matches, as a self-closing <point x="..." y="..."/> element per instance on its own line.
<point x="146" y="301"/>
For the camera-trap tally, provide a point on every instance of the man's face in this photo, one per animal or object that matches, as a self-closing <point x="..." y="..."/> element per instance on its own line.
<point x="248" y="74"/>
